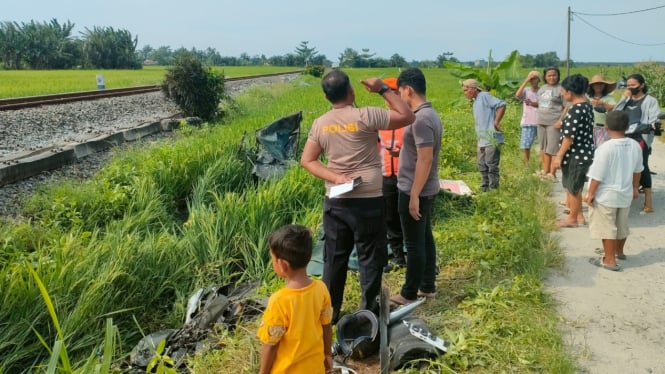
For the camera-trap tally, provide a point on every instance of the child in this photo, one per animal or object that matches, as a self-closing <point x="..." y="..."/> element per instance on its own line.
<point x="295" y="330"/>
<point x="614" y="176"/>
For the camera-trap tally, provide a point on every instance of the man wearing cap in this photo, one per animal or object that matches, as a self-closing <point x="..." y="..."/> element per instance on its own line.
<point x="390" y="143"/>
<point x="599" y="95"/>
<point x="487" y="113"/>
<point x="348" y="137"/>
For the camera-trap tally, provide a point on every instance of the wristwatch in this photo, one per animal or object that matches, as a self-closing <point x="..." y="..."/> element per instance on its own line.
<point x="383" y="89"/>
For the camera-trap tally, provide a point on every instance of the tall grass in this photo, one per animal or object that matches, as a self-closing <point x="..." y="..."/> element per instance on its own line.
<point x="124" y="244"/>
<point x="232" y="231"/>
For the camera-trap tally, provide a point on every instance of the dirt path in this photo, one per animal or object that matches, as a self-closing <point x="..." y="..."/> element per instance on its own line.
<point x="615" y="321"/>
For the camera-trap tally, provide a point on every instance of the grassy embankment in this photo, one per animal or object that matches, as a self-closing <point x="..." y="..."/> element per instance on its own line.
<point x="164" y="219"/>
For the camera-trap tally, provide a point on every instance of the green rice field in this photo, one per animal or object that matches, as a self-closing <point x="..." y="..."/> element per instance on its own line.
<point x="22" y="83"/>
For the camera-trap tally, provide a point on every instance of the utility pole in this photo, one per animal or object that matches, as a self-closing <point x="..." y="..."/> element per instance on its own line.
<point x="568" y="45"/>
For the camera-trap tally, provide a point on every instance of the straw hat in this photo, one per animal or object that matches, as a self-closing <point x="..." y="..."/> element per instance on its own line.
<point x="534" y="74"/>
<point x="598" y="78"/>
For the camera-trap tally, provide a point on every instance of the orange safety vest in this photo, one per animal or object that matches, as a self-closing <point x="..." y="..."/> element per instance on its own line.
<point x="389" y="139"/>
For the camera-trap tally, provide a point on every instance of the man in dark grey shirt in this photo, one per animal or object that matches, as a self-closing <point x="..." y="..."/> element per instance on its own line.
<point x="418" y="184"/>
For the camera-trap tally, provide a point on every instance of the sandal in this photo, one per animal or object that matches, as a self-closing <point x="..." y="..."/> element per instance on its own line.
<point x="600" y="251"/>
<point x="598" y="261"/>
<point x="398" y="300"/>
<point x="429" y="295"/>
<point x="646" y="210"/>
<point x="562" y="223"/>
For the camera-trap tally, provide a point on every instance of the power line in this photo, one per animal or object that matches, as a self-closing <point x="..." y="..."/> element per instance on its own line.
<point x="616" y="37"/>
<point x="619" y="14"/>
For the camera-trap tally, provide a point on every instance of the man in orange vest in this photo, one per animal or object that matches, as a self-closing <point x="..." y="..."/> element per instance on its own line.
<point x="390" y="142"/>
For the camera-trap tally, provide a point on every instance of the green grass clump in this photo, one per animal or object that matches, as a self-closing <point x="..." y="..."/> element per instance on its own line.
<point x="509" y="328"/>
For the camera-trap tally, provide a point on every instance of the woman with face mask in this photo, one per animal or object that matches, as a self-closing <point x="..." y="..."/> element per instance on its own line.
<point x="641" y="109"/>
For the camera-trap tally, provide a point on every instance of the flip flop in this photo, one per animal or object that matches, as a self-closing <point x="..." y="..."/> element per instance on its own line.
<point x="398" y="300"/>
<point x="562" y="223"/>
<point x="600" y="251"/>
<point x="429" y="295"/>
<point x="598" y="261"/>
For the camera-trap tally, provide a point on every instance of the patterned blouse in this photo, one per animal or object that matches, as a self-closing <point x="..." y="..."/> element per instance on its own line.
<point x="578" y="125"/>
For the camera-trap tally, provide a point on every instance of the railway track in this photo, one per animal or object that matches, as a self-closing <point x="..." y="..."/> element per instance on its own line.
<point x="74" y="132"/>
<point x="35" y="101"/>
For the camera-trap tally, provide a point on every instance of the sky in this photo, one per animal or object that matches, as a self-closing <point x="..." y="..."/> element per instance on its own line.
<point x="416" y="30"/>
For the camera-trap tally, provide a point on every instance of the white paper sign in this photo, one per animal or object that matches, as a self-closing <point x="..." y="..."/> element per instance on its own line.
<point x="343" y="188"/>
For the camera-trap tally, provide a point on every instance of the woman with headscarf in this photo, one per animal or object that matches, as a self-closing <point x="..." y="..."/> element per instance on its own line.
<point x="575" y="146"/>
<point x="599" y="95"/>
<point x="642" y="109"/>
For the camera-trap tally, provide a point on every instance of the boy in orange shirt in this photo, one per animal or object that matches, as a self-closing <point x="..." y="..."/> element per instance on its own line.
<point x="295" y="330"/>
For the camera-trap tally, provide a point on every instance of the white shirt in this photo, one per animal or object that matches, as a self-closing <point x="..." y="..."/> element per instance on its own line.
<point x="614" y="164"/>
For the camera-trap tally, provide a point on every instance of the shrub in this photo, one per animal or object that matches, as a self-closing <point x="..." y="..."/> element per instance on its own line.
<point x="196" y="89"/>
<point x="315" y="70"/>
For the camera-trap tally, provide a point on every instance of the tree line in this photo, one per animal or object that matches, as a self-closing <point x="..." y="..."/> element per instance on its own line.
<point x="304" y="55"/>
<point x="51" y="45"/>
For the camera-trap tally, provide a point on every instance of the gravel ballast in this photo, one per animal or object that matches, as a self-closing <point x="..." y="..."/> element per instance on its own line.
<point x="49" y="127"/>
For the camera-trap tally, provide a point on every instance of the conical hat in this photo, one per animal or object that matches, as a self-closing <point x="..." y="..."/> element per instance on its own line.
<point x="598" y="78"/>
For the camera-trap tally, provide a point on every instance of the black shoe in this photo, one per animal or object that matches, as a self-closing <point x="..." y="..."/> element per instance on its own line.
<point x="393" y="264"/>
<point x="399" y="261"/>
